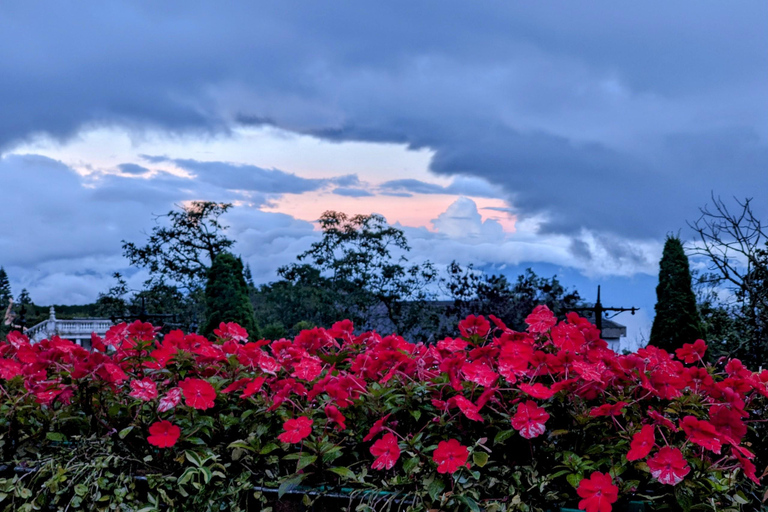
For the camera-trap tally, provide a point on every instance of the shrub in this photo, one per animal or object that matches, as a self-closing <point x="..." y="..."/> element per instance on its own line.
<point x="490" y="420"/>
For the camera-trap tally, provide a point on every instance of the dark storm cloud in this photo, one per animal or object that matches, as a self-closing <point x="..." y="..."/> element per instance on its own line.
<point x="619" y="118"/>
<point x="248" y="177"/>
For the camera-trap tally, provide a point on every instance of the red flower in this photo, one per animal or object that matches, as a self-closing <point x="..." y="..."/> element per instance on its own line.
<point x="692" y="352"/>
<point x="377" y="427"/>
<point x="702" y="433"/>
<point x="541" y="320"/>
<point x="143" y="389"/>
<point x="452" y="345"/>
<point x="668" y="466"/>
<point x="642" y="443"/>
<point x="450" y="455"/>
<point x="171" y="399"/>
<point x="479" y="373"/>
<point x="112" y="373"/>
<point x="296" y="430"/>
<point x="474" y="325"/>
<point x="163" y="434"/>
<point x="529" y="419"/>
<point x="335" y="416"/>
<point x="231" y="331"/>
<point x="598" y="492"/>
<point x="237" y="385"/>
<point x="253" y="387"/>
<point x="537" y="390"/>
<point x="608" y="410"/>
<point x="469" y="409"/>
<point x="747" y="466"/>
<point x="307" y="369"/>
<point x="198" y="393"/>
<point x="386" y="452"/>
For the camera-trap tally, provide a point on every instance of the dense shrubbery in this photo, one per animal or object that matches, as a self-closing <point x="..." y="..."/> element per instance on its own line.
<point x="491" y="420"/>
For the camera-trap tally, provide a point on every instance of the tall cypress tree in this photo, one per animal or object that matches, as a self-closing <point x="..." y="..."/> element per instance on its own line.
<point x="677" y="319"/>
<point x="5" y="298"/>
<point x="226" y="296"/>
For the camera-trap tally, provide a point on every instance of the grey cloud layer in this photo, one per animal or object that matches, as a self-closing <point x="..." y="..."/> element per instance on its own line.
<point x="616" y="117"/>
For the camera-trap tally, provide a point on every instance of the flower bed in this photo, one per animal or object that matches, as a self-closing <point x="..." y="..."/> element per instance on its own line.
<point x="490" y="420"/>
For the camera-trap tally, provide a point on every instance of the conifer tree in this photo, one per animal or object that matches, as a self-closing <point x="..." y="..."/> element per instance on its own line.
<point x="677" y="319"/>
<point x="226" y="296"/>
<point x="5" y="300"/>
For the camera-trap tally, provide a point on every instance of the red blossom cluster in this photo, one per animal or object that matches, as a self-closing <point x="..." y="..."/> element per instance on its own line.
<point x="490" y="371"/>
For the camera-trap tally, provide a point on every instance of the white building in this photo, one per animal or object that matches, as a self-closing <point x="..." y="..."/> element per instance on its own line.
<point x="77" y="330"/>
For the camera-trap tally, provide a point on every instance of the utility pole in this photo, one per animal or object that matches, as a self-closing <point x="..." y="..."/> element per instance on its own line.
<point x="598" y="309"/>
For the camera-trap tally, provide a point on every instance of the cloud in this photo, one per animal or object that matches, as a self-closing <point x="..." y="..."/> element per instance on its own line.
<point x="462" y="221"/>
<point x="250" y="178"/>
<point x="569" y="114"/>
<point x="352" y="192"/>
<point x="133" y="169"/>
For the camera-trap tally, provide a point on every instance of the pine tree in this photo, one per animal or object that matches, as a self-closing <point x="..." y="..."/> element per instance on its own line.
<point x="677" y="319"/>
<point x="226" y="296"/>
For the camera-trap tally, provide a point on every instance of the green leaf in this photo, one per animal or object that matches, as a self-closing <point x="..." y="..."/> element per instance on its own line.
<point x="81" y="490"/>
<point x="268" y="448"/>
<point x="344" y="472"/>
<point x="469" y="502"/>
<point x="305" y="460"/>
<point x="289" y="484"/>
<point x="574" y="479"/>
<point x="55" y="436"/>
<point x="193" y="458"/>
<point x="435" y="488"/>
<point x="410" y="464"/>
<point x="125" y="432"/>
<point x="480" y="458"/>
<point x="416" y="413"/>
<point x="503" y="436"/>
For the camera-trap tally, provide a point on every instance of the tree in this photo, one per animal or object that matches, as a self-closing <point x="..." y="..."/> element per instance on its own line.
<point x="362" y="259"/>
<point x="735" y="244"/>
<point x="226" y="296"/>
<point x="475" y="292"/>
<point x="6" y="299"/>
<point x="183" y="251"/>
<point x="677" y="319"/>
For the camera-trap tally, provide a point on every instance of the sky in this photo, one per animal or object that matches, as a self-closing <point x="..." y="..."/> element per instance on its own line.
<point x="571" y="137"/>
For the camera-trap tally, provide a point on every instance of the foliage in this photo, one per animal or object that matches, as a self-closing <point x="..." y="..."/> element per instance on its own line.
<point x="735" y="245"/>
<point x="362" y="259"/>
<point x="158" y="298"/>
<point x="226" y="296"/>
<point x="183" y="251"/>
<point x="475" y="292"/>
<point x="677" y="319"/>
<point x="6" y="300"/>
<point x="493" y="420"/>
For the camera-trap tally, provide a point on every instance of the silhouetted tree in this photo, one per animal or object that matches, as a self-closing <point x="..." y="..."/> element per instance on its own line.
<point x="226" y="296"/>
<point x="677" y="319"/>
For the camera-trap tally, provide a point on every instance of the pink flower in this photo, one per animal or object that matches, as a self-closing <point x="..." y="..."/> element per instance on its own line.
<point x="702" y="433"/>
<point x="163" y="434"/>
<point x="642" y="443"/>
<point x="198" y="393"/>
<point x="668" y="466"/>
<point x="386" y="452"/>
<point x="469" y="409"/>
<point x="296" y="430"/>
<point x="144" y="389"/>
<point x="541" y="320"/>
<point x="608" y="410"/>
<point x="529" y="419"/>
<point x="450" y="455"/>
<point x="598" y="493"/>
<point x="336" y="416"/>
<point x="171" y="399"/>
<point x="231" y="331"/>
<point x="474" y="325"/>
<point x="692" y="352"/>
<point x="537" y="390"/>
